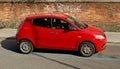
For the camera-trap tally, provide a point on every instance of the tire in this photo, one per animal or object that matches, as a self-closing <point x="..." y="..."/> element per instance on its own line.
<point x="86" y="49"/>
<point x="25" y="46"/>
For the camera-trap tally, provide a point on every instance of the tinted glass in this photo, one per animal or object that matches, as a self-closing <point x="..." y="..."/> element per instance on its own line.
<point x="59" y="24"/>
<point x="43" y="22"/>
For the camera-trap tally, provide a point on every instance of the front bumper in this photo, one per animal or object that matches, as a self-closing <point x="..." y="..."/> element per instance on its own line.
<point x="100" y="44"/>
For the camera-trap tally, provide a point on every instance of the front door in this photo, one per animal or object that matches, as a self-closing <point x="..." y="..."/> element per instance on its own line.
<point x="63" y="38"/>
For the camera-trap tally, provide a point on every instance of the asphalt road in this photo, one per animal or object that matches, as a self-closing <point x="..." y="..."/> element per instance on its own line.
<point x="10" y="58"/>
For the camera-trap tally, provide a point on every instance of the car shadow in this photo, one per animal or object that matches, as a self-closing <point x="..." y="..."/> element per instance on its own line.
<point x="10" y="44"/>
<point x="56" y="51"/>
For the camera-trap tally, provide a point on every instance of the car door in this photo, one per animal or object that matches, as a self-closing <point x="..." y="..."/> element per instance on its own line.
<point x="63" y="38"/>
<point x="43" y="30"/>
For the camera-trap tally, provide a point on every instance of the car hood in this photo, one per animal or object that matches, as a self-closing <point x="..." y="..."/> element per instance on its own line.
<point x="94" y="30"/>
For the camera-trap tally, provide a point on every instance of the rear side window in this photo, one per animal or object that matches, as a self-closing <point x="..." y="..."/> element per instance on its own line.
<point x="42" y="22"/>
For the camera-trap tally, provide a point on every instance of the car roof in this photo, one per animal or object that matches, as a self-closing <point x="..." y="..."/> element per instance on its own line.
<point x="47" y="15"/>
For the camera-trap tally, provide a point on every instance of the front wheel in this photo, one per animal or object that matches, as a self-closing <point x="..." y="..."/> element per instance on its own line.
<point x="25" y="46"/>
<point x="86" y="49"/>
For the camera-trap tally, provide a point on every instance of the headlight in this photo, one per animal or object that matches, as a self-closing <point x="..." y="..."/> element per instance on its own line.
<point x="99" y="37"/>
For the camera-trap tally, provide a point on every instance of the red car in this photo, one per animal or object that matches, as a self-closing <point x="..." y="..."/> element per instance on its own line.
<point x="60" y="32"/>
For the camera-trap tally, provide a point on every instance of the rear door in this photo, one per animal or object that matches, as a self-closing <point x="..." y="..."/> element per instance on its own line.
<point x="43" y="30"/>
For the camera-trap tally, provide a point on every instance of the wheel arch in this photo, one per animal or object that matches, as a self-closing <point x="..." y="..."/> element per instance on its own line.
<point x="86" y="41"/>
<point x="28" y="40"/>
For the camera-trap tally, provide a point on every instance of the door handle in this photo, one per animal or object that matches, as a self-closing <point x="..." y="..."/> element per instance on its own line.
<point x="53" y="33"/>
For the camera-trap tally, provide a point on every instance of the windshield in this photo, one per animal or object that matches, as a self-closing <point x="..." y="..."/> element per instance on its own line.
<point x="77" y="23"/>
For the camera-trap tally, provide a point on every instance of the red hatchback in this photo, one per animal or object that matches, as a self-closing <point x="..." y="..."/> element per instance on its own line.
<point x="61" y="32"/>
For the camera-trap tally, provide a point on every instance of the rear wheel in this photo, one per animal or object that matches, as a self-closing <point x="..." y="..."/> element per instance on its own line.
<point x="25" y="46"/>
<point x="86" y="49"/>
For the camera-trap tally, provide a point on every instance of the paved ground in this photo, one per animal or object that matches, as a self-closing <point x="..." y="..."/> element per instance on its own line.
<point x="10" y="58"/>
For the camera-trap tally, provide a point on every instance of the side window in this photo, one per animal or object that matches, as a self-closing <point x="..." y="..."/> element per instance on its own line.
<point x="43" y="22"/>
<point x="59" y="24"/>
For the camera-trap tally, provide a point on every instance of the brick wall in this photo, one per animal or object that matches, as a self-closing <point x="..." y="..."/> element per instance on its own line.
<point x="84" y="12"/>
<point x="59" y="0"/>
